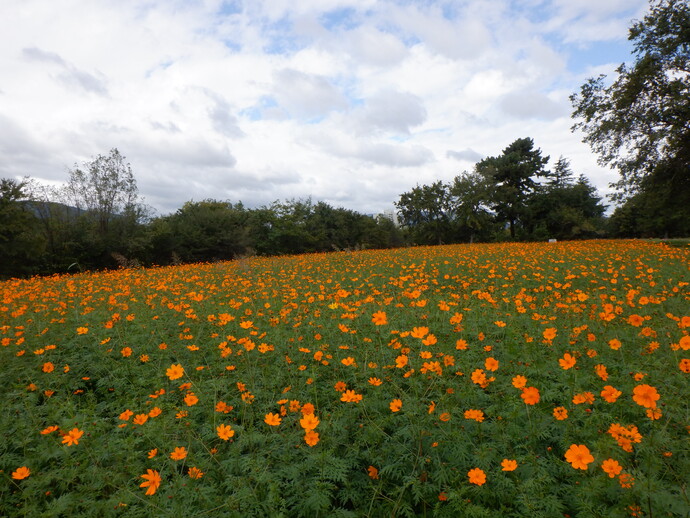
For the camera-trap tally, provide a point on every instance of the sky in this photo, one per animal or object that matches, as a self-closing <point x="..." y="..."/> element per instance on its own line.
<point x="351" y="102"/>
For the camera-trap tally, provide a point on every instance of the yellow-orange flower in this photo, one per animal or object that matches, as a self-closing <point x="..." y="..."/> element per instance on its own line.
<point x="375" y="382"/>
<point x="549" y="333"/>
<point x="152" y="481"/>
<point x="567" y="361"/>
<point x="379" y="318"/>
<point x="21" y="473"/>
<point x="509" y="465"/>
<point x="309" y="422"/>
<point x="611" y="467"/>
<point x="178" y="453"/>
<point x="225" y="431"/>
<point x="175" y="371"/>
<point x="491" y="364"/>
<point x="560" y="413"/>
<point x="395" y="405"/>
<point x="373" y="472"/>
<point x="579" y="456"/>
<point x="311" y="438"/>
<point x="72" y="437"/>
<point x="272" y="419"/>
<point x="350" y="396"/>
<point x="610" y="394"/>
<point x="195" y="473"/>
<point x="48" y="367"/>
<point x="477" y="415"/>
<point x="190" y="399"/>
<point x="476" y="476"/>
<point x="646" y="396"/>
<point x="530" y="395"/>
<point x="519" y="381"/>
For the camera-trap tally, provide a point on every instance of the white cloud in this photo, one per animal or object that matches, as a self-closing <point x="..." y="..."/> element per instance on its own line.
<point x="350" y="101"/>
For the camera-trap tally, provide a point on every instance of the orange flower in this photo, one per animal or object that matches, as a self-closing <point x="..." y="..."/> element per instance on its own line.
<point x="419" y="332"/>
<point x="178" y="453"/>
<point x="272" y="419"/>
<point x="72" y="437"/>
<point x="190" y="399"/>
<point x="684" y="365"/>
<point x="307" y="408"/>
<point x="401" y="361"/>
<point x="626" y="480"/>
<point x="195" y="473"/>
<point x="175" y="371"/>
<point x="615" y="344"/>
<point x="225" y="431"/>
<point x="140" y="419"/>
<point x="578" y="456"/>
<point x="348" y="361"/>
<point x="349" y="396"/>
<point x="21" y="473"/>
<point x="50" y="429"/>
<point x="152" y="453"/>
<point x="477" y="415"/>
<point x="645" y="395"/>
<point x="373" y="472"/>
<point x="395" y="405"/>
<point x="560" y="413"/>
<point x="635" y="320"/>
<point x="611" y="467"/>
<point x="48" y="367"/>
<point x="375" y="382"/>
<point x="309" y="422"/>
<point x="509" y="465"/>
<point x="519" y="381"/>
<point x="567" y="361"/>
<point x="610" y="394"/>
<point x="491" y="364"/>
<point x="379" y="318"/>
<point x="82" y="330"/>
<point x="530" y="395"/>
<point x="445" y="417"/>
<point x="340" y="386"/>
<point x="476" y="476"/>
<point x="152" y="481"/>
<point x="550" y="333"/>
<point x="155" y="412"/>
<point x="311" y="438"/>
<point x="601" y="371"/>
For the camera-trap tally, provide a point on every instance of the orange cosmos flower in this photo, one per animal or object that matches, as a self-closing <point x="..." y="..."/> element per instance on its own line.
<point x="48" y="367"/>
<point x="461" y="344"/>
<point x="509" y="465"/>
<point x="645" y="395"/>
<point x="155" y="412"/>
<point x="635" y="320"/>
<point x="272" y="419"/>
<point x="152" y="453"/>
<point x="190" y="399"/>
<point x="578" y="456"/>
<point x="373" y="472"/>
<point x="309" y="422"/>
<point x="178" y="453"/>
<point x="491" y="364"/>
<point x="21" y="473"/>
<point x="307" y="408"/>
<point x="430" y="340"/>
<point x="195" y="473"/>
<point x="530" y="395"/>
<point x="684" y="365"/>
<point x="349" y="396"/>
<point x="567" y="361"/>
<point x="152" y="481"/>
<point x="611" y="467"/>
<point x="610" y="394"/>
<point x="615" y="344"/>
<point x="419" y="332"/>
<point x="519" y="381"/>
<point x="82" y="330"/>
<point x="477" y="415"/>
<point x="72" y="437"/>
<point x="445" y="417"/>
<point x="395" y="405"/>
<point x="225" y="432"/>
<point x="560" y="413"/>
<point x="626" y="480"/>
<point x="311" y="438"/>
<point x="601" y="371"/>
<point x="476" y="476"/>
<point x="48" y="430"/>
<point x="175" y="371"/>
<point x="550" y="333"/>
<point x="379" y="318"/>
<point x="348" y="361"/>
<point x="140" y="419"/>
<point x="375" y="382"/>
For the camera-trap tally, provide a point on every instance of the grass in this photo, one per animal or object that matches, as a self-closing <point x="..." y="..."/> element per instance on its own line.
<point x="376" y="383"/>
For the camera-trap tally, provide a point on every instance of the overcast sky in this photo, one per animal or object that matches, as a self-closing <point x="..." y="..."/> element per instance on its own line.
<point x="352" y="102"/>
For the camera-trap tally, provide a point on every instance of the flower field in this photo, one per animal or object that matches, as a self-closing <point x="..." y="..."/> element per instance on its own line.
<point x="470" y="380"/>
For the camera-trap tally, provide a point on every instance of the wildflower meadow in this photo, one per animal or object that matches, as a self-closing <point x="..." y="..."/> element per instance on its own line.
<point x="506" y="380"/>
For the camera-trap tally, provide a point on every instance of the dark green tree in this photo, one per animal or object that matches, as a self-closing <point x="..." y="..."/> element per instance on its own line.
<point x="20" y="240"/>
<point x="640" y="122"/>
<point x="470" y="194"/>
<point x="512" y="177"/>
<point x="426" y="211"/>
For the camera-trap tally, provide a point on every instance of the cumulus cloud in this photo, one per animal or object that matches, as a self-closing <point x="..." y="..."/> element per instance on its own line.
<point x="306" y="95"/>
<point x="466" y="155"/>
